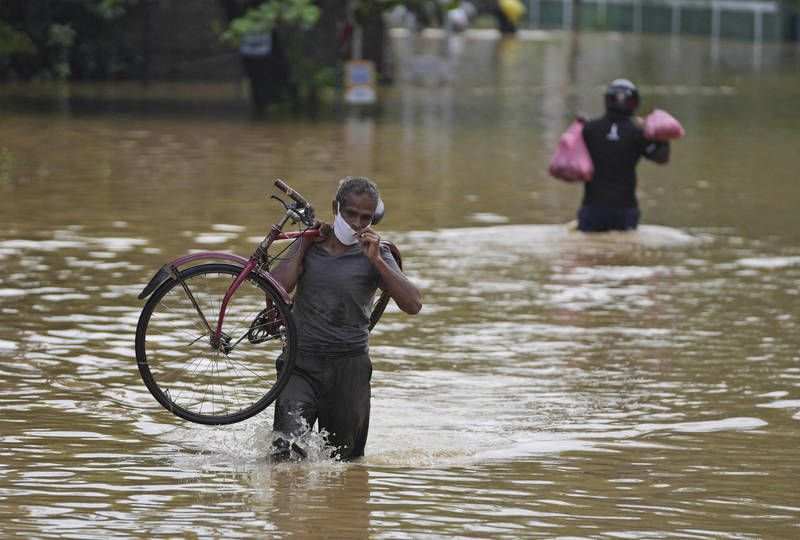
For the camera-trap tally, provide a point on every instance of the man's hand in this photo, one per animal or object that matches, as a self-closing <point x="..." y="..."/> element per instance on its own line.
<point x="370" y="243"/>
<point x="404" y="293"/>
<point x="324" y="231"/>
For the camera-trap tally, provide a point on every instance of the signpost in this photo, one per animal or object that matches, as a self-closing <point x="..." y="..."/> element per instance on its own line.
<point x="359" y="82"/>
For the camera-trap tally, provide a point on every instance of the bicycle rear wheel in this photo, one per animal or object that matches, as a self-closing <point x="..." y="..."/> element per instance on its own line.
<point x="380" y="302"/>
<point x="215" y="383"/>
<point x="378" y="306"/>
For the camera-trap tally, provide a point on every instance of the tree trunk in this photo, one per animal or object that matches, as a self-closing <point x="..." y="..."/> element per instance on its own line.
<point x="269" y="75"/>
<point x="375" y="40"/>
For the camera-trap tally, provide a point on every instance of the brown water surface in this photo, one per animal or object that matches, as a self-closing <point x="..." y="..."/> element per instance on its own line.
<point x="555" y="384"/>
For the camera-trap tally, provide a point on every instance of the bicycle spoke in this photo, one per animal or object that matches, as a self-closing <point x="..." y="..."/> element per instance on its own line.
<point x="187" y="306"/>
<point x="195" y="305"/>
<point x="180" y="368"/>
<point x="271" y="337"/>
<point x="215" y="391"/>
<point x="205" y="383"/>
<point x="247" y="369"/>
<point x="221" y="392"/>
<point x="164" y="333"/>
<point x="235" y="387"/>
<point x="189" y="332"/>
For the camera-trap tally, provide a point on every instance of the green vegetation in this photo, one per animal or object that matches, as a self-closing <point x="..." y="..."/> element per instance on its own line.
<point x="61" y="39"/>
<point x="292" y="73"/>
<point x="267" y="16"/>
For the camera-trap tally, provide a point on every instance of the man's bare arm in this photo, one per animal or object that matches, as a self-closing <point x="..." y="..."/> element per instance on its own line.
<point x="288" y="271"/>
<point x="404" y="293"/>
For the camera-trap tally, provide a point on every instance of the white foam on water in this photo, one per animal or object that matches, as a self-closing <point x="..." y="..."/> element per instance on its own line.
<point x="69" y="240"/>
<point x="605" y="274"/>
<point x="227" y="228"/>
<point x="9" y="292"/>
<point x="768" y="263"/>
<point x="41" y="245"/>
<point x="507" y="448"/>
<point x="486" y="217"/>
<point x="782" y="404"/>
<point x="65" y="296"/>
<point x="541" y="446"/>
<point x="644" y="235"/>
<point x="535" y="238"/>
<point x="236" y="446"/>
<point x="211" y="238"/>
<point x="102" y="254"/>
<point x="726" y="424"/>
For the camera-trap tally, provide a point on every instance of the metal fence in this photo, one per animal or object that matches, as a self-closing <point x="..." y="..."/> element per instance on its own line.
<point x="720" y="19"/>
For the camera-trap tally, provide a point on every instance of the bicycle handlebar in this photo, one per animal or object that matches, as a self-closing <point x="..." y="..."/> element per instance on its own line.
<point x="301" y="202"/>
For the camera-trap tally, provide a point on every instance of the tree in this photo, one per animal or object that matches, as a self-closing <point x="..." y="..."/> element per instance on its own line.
<point x="273" y="54"/>
<point x="308" y="42"/>
<point x="57" y="39"/>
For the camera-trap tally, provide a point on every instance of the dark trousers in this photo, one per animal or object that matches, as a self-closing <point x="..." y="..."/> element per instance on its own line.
<point x="333" y="390"/>
<point x="600" y="219"/>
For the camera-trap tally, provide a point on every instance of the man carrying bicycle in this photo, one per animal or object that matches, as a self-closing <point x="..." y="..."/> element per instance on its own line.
<point x="336" y="276"/>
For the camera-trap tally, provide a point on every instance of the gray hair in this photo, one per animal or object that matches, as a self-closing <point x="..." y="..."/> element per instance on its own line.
<point x="357" y="185"/>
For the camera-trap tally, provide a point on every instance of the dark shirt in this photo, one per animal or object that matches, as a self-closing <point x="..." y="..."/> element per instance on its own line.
<point x="334" y="299"/>
<point x="615" y="144"/>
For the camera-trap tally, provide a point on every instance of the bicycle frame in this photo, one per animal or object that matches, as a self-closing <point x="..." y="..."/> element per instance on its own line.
<point x="190" y="306"/>
<point x="258" y="262"/>
<point x="260" y="257"/>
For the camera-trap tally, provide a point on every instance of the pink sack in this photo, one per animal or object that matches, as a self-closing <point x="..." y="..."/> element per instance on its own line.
<point x="572" y="161"/>
<point x="661" y="126"/>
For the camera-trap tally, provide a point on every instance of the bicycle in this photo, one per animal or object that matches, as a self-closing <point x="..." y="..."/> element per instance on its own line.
<point x="203" y="373"/>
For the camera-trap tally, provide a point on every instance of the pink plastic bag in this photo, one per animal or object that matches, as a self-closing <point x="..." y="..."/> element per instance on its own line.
<point x="661" y="126"/>
<point x="572" y="161"/>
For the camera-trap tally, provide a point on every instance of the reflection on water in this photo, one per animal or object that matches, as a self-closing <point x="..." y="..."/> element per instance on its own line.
<point x="555" y="384"/>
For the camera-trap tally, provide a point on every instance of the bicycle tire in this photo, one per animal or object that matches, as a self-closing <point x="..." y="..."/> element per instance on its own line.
<point x="192" y="378"/>
<point x="377" y="309"/>
<point x="382" y="300"/>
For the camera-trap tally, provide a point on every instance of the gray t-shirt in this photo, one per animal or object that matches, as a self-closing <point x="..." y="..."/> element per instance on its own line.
<point x="334" y="299"/>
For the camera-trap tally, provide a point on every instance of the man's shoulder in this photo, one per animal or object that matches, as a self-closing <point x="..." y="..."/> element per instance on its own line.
<point x="596" y="124"/>
<point x="602" y="124"/>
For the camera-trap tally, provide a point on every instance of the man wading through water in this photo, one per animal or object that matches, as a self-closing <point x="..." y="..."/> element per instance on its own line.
<point x="336" y="276"/>
<point x="615" y="145"/>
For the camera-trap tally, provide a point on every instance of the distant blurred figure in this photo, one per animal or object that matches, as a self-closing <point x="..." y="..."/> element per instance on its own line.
<point x="508" y="13"/>
<point x="615" y="145"/>
<point x="458" y="18"/>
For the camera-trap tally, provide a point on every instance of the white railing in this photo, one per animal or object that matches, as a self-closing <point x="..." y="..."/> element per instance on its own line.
<point x="717" y="7"/>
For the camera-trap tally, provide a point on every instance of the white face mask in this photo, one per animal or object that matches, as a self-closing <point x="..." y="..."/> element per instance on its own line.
<point x="343" y="231"/>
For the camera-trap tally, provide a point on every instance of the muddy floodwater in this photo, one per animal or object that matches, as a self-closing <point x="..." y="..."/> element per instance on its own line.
<point x="555" y="384"/>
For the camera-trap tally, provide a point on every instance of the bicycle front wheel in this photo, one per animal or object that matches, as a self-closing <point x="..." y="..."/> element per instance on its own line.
<point x="207" y="380"/>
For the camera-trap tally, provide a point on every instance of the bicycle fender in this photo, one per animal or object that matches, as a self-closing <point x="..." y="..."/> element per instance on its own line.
<point x="173" y="266"/>
<point x="168" y="269"/>
<point x="163" y="273"/>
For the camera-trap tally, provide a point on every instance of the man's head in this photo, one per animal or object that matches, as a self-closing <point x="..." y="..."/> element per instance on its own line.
<point x="622" y="96"/>
<point x="357" y="201"/>
<point x="357" y="185"/>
